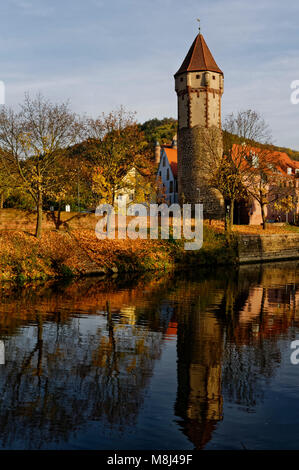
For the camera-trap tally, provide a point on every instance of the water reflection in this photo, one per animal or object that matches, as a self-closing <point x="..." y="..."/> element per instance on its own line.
<point x="82" y="356"/>
<point x="227" y="342"/>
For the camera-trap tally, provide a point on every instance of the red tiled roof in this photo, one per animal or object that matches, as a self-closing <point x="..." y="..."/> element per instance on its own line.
<point x="172" y="329"/>
<point x="280" y="159"/>
<point x="284" y="162"/>
<point x="174" y="169"/>
<point x="199" y="58"/>
<point x="172" y="156"/>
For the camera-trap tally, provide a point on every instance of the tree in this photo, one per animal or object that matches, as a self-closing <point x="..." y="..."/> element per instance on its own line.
<point x="268" y="185"/>
<point x="116" y="146"/>
<point x="81" y="158"/>
<point x="64" y="188"/>
<point x="248" y="166"/>
<point x="161" y="130"/>
<point x="31" y="142"/>
<point x="227" y="178"/>
<point x="224" y="170"/>
<point x="6" y="185"/>
<point x="247" y="125"/>
<point x="242" y="132"/>
<point x="286" y="204"/>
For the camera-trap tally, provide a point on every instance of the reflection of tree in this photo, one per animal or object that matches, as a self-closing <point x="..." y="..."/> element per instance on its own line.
<point x="251" y="354"/>
<point x="86" y="351"/>
<point x="251" y="351"/>
<point x="245" y="369"/>
<point x="60" y="376"/>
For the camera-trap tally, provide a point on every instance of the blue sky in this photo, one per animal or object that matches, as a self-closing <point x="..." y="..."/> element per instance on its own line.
<point x="103" y="53"/>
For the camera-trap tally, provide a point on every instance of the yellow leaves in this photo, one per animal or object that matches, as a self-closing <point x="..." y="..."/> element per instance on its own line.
<point x="286" y="204"/>
<point x="101" y="186"/>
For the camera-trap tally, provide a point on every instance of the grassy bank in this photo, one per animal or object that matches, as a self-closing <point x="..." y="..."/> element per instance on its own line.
<point x="74" y="250"/>
<point x="79" y="252"/>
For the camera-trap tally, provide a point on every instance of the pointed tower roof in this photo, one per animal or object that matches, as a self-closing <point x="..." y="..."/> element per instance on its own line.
<point x="199" y="58"/>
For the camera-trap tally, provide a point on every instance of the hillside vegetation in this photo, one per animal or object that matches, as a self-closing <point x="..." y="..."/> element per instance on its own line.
<point x="163" y="130"/>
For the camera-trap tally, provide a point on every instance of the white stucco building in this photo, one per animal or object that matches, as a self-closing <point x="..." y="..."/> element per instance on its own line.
<point x="167" y="158"/>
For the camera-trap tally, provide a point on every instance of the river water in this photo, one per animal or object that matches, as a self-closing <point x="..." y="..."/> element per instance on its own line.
<point x="167" y="362"/>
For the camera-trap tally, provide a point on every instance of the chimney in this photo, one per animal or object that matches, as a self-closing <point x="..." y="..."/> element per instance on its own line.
<point x="157" y="153"/>
<point x="174" y="143"/>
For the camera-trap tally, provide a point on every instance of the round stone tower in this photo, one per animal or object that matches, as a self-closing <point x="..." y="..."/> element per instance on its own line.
<point x="199" y="88"/>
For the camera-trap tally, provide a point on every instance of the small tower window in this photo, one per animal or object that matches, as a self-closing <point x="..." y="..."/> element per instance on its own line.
<point x="164" y="161"/>
<point x="171" y="187"/>
<point x="197" y="76"/>
<point x="214" y="77"/>
<point x="167" y="174"/>
<point x="181" y="79"/>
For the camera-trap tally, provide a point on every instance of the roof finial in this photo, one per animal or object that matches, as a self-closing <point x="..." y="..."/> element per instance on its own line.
<point x="198" y="19"/>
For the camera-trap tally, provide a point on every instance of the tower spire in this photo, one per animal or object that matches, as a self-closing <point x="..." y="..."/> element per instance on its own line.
<point x="198" y="19"/>
<point x="199" y="87"/>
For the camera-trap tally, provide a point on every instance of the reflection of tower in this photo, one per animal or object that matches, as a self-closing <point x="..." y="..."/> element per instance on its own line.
<point x="199" y="88"/>
<point x="199" y="398"/>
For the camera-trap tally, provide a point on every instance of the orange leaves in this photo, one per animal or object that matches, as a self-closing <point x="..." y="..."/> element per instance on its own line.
<point x="23" y="257"/>
<point x="126" y="255"/>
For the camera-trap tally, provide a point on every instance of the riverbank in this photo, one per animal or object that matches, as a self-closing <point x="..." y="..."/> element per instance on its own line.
<point x="74" y="250"/>
<point x="80" y="253"/>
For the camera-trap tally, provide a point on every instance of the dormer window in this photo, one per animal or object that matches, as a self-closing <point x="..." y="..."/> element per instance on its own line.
<point x="289" y="171"/>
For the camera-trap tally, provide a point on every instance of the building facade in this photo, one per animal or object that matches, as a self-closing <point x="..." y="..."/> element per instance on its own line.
<point x="166" y="158"/>
<point x="282" y="182"/>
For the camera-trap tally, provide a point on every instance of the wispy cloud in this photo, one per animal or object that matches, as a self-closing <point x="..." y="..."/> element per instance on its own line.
<point x="102" y="54"/>
<point x="35" y="8"/>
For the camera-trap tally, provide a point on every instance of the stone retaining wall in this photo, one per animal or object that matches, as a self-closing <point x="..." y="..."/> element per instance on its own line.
<point x="253" y="248"/>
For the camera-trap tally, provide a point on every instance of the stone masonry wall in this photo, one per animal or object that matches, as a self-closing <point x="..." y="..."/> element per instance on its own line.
<point x="192" y="169"/>
<point x="253" y="248"/>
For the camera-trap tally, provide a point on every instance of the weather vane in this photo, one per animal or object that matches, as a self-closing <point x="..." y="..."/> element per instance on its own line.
<point x="198" y="19"/>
